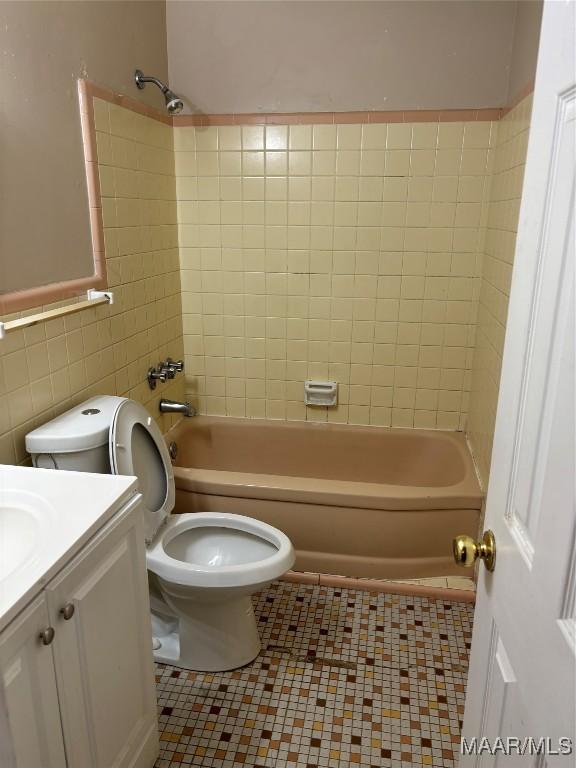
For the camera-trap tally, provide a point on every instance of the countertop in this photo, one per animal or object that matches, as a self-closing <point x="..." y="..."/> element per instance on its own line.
<point x="65" y="511"/>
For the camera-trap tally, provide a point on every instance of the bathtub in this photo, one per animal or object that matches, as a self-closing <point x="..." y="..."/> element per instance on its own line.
<point x="356" y="501"/>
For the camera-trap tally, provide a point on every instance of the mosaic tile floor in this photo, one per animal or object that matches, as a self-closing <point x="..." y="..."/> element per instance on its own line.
<point x="345" y="678"/>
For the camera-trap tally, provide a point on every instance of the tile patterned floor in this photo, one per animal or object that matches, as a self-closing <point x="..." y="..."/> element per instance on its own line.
<point x="345" y="678"/>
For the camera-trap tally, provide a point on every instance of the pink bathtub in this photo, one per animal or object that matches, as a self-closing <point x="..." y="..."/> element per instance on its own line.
<point x="356" y="501"/>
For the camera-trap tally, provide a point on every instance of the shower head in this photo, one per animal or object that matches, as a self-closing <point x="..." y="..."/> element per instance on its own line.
<point x="174" y="104"/>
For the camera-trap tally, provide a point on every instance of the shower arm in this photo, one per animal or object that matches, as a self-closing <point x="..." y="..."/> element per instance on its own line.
<point x="142" y="79"/>
<point x="174" y="103"/>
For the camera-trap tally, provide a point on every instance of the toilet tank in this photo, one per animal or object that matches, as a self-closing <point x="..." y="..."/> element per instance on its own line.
<point x="78" y="439"/>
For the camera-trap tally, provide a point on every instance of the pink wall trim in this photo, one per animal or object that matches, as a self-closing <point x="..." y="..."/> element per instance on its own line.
<point x="47" y="294"/>
<point x="18" y="301"/>
<point x="520" y="96"/>
<point x="301" y="118"/>
<point x="375" y="585"/>
<point x="97" y="91"/>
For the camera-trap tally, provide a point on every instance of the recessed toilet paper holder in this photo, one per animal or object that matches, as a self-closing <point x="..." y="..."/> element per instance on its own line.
<point x="324" y="393"/>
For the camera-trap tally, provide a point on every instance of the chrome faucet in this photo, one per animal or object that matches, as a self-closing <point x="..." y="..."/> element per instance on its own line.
<point x="171" y="367"/>
<point x="172" y="406"/>
<point x="164" y="371"/>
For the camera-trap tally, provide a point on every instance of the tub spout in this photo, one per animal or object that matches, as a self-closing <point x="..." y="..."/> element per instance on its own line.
<point x="172" y="406"/>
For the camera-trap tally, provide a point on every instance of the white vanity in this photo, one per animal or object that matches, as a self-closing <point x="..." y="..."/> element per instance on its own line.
<point x="76" y="669"/>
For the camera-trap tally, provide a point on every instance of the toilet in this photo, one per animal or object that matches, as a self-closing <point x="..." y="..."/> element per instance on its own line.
<point x="203" y="567"/>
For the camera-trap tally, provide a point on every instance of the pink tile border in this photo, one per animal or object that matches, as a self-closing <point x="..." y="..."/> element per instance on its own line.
<point x="92" y="91"/>
<point x="376" y="585"/>
<point x="305" y="118"/>
<point x="333" y="118"/>
<point x="301" y="577"/>
<point x="46" y="294"/>
<point x="520" y="96"/>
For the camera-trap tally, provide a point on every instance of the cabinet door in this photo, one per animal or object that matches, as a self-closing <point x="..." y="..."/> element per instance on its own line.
<point x="29" y="688"/>
<point x="99" y="606"/>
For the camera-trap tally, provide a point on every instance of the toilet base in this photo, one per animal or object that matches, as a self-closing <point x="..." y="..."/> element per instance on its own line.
<point x="211" y="637"/>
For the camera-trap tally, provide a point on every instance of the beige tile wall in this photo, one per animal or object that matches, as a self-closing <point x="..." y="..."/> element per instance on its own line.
<point x="351" y="252"/>
<point x="346" y="252"/>
<point x="46" y="369"/>
<point x="498" y="259"/>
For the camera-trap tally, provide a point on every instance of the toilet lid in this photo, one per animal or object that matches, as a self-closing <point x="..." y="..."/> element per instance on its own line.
<point x="138" y="448"/>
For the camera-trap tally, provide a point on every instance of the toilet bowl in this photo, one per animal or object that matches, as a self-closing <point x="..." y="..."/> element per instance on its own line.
<point x="203" y="567"/>
<point x="206" y="566"/>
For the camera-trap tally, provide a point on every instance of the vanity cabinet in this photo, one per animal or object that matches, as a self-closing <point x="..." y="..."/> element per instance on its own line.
<point x="77" y="663"/>
<point x="29" y="677"/>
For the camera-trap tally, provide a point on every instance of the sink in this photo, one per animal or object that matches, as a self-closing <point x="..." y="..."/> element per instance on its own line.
<point x="46" y="517"/>
<point x="24" y="519"/>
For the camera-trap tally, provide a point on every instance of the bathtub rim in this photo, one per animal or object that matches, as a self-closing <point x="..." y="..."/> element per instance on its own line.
<point x="329" y="493"/>
<point x="466" y="493"/>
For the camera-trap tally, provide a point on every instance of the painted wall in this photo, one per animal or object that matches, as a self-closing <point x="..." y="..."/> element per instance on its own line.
<point x="497" y="259"/>
<point x="46" y="46"/>
<point x="228" y="57"/>
<point x="48" y="368"/>
<point x="346" y="252"/>
<point x="524" y="48"/>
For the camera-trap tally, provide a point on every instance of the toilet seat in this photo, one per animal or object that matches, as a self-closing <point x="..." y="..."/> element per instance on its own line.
<point x="137" y="448"/>
<point x="258" y="567"/>
<point x="203" y="568"/>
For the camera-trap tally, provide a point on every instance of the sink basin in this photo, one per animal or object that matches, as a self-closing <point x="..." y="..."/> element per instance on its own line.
<point x="24" y="519"/>
<point x="46" y="517"/>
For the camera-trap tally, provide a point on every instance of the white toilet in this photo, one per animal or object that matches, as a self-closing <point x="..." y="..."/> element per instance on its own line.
<point x="203" y="567"/>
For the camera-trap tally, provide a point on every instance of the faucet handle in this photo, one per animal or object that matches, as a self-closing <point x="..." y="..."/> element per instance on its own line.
<point x="154" y="376"/>
<point x="175" y="365"/>
<point x="167" y="369"/>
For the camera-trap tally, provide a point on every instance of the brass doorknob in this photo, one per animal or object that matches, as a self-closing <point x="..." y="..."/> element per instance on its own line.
<point x="466" y="551"/>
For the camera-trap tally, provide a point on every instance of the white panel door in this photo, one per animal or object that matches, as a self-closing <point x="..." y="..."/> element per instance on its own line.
<point x="30" y="696"/>
<point x="523" y="662"/>
<point x="99" y="606"/>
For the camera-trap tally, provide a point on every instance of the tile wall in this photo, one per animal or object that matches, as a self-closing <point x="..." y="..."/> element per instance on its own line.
<point x="498" y="258"/>
<point x="46" y="369"/>
<point x="360" y="253"/>
<point x="348" y="252"/>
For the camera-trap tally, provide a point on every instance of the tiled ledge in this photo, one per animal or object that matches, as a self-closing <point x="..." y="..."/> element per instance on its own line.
<point x="340" y="118"/>
<point x="449" y="588"/>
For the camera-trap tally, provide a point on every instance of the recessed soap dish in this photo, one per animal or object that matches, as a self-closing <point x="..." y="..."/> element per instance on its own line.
<point x="324" y="393"/>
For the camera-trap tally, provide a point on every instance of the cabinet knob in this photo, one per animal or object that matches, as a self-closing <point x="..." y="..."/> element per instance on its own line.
<point x="47" y="636"/>
<point x="68" y="611"/>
